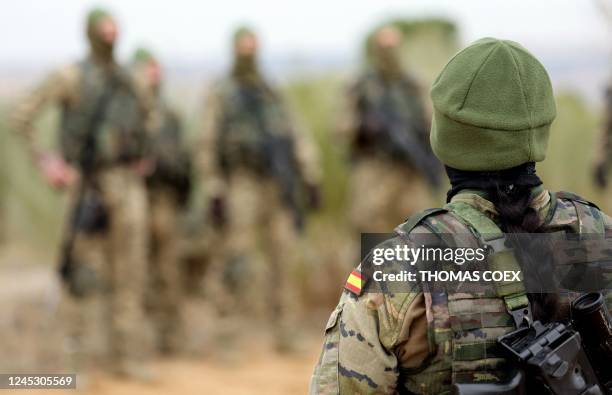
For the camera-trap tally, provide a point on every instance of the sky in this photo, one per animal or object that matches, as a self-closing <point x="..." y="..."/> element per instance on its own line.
<point x="40" y="32"/>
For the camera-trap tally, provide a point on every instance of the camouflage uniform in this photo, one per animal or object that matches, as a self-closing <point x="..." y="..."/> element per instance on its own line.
<point x="168" y="188"/>
<point x="108" y="317"/>
<point x="376" y="178"/>
<point x="422" y="342"/>
<point x="493" y="108"/>
<point x="260" y="238"/>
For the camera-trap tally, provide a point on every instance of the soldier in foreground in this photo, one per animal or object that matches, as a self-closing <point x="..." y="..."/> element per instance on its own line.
<point x="168" y="188"/>
<point x="100" y="160"/>
<point x="388" y="134"/>
<point x="425" y="342"/>
<point x="258" y="171"/>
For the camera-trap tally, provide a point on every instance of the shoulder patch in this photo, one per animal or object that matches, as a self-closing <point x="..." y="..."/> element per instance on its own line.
<point x="354" y="283"/>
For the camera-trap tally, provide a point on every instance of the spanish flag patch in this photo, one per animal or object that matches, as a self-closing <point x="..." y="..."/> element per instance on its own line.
<point x="354" y="282"/>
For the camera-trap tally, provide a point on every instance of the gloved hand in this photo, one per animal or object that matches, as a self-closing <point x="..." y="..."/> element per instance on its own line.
<point x="218" y="212"/>
<point x="600" y="175"/>
<point x="313" y="196"/>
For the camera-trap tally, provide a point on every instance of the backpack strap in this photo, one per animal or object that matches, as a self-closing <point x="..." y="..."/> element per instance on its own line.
<point x="416" y="219"/>
<point x="501" y="258"/>
<point x="590" y="220"/>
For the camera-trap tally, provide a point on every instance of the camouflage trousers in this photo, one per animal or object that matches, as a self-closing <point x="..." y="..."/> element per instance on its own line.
<point x="107" y="322"/>
<point x="164" y="294"/>
<point x="384" y="193"/>
<point x="259" y="252"/>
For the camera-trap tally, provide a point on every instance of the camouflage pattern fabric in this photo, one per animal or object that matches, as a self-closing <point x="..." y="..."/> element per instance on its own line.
<point x="76" y="89"/>
<point x="109" y="321"/>
<point x="421" y="341"/>
<point x="258" y="253"/>
<point x="377" y="209"/>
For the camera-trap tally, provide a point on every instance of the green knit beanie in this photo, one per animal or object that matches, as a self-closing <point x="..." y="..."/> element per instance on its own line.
<point x="241" y="32"/>
<point x="493" y="106"/>
<point x="142" y="55"/>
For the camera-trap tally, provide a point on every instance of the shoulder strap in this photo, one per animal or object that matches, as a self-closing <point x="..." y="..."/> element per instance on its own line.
<point x="501" y="258"/>
<point x="590" y="220"/>
<point x="416" y="219"/>
<point x="575" y="198"/>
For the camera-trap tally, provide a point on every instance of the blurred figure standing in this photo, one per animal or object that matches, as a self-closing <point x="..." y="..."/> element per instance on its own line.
<point x="256" y="168"/>
<point x="102" y="142"/>
<point x="168" y="188"/>
<point x="388" y="135"/>
<point x="602" y="162"/>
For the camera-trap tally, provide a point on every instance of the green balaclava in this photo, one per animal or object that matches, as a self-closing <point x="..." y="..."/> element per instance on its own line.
<point x="245" y="65"/>
<point x="100" y="49"/>
<point x="140" y="58"/>
<point x="493" y="107"/>
<point x="386" y="60"/>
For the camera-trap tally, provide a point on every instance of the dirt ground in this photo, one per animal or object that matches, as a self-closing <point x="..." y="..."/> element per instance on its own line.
<point x="31" y="341"/>
<point x="268" y="374"/>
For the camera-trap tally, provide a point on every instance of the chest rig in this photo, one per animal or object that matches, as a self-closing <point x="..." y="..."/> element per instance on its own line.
<point x="463" y="328"/>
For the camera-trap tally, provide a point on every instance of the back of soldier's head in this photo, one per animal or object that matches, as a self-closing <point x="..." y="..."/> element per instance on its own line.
<point x="146" y="69"/>
<point x="493" y="107"/>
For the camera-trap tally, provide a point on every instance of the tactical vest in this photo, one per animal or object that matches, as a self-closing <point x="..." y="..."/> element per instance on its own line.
<point x="121" y="135"/>
<point x="464" y="327"/>
<point x="378" y="101"/>
<point x="248" y="113"/>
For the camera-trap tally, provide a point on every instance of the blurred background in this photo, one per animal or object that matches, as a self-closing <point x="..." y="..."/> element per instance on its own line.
<point x="311" y="51"/>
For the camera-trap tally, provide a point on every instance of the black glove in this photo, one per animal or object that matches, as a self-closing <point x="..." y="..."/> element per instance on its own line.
<point x="218" y="212"/>
<point x="600" y="175"/>
<point x="313" y="196"/>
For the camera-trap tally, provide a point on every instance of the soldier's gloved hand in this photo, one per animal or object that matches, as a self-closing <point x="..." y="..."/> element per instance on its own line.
<point x="218" y="212"/>
<point x="600" y="175"/>
<point x="313" y="194"/>
<point x="56" y="171"/>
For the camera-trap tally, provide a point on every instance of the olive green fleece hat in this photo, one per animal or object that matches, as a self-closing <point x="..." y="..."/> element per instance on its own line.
<point x="493" y="106"/>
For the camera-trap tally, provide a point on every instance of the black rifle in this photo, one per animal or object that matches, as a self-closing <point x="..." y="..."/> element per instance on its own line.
<point x="279" y="154"/>
<point x="558" y="359"/>
<point x="402" y="138"/>
<point x="88" y="214"/>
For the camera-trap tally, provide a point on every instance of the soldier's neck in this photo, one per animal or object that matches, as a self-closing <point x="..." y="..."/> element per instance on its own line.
<point x="103" y="59"/>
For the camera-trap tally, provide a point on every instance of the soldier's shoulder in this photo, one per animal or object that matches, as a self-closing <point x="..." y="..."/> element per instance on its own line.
<point x="574" y="211"/>
<point x="433" y="220"/>
<point x="65" y="74"/>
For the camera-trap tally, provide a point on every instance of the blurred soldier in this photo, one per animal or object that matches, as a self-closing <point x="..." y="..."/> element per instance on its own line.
<point x="255" y="167"/>
<point x="102" y="140"/>
<point x="602" y="163"/>
<point x="168" y="190"/>
<point x="389" y="140"/>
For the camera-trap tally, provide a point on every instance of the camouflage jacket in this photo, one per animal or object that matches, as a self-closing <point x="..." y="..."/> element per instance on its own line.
<point x="421" y="342"/>
<point x="172" y="159"/>
<point x="76" y="89"/>
<point x="232" y="125"/>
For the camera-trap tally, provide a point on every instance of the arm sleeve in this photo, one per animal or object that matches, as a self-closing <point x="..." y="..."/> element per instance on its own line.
<point x="307" y="156"/>
<point x="367" y="340"/>
<point x="58" y="87"/>
<point x="348" y="120"/>
<point x="206" y="158"/>
<point x="604" y="146"/>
